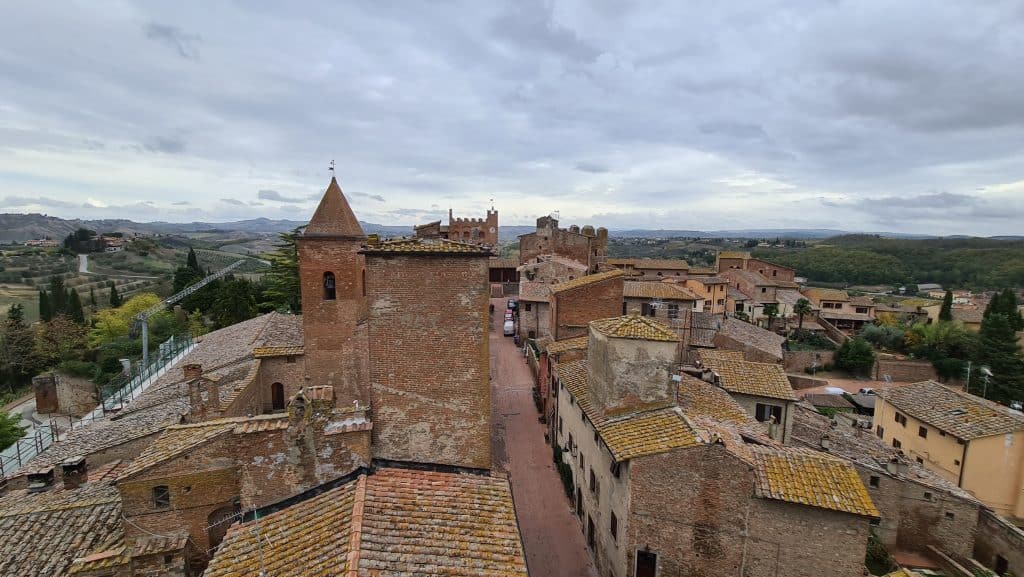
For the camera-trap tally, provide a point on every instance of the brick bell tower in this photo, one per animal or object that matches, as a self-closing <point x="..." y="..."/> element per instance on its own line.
<point x="332" y="276"/>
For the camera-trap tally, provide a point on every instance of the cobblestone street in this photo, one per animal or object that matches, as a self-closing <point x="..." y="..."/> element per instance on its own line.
<point x="551" y="535"/>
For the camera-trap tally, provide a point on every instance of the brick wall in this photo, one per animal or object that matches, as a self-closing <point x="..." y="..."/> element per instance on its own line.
<point x="771" y="271"/>
<point x="430" y="363"/>
<point x="750" y="352"/>
<point x="535" y="320"/>
<point x="334" y="331"/>
<point x="695" y="509"/>
<point x="75" y="396"/>
<point x="573" y="309"/>
<point x="291" y="374"/>
<point x="589" y="249"/>
<point x="996" y="538"/>
<point x="904" y="371"/>
<point x="797" y="361"/>
<point x="804" y="382"/>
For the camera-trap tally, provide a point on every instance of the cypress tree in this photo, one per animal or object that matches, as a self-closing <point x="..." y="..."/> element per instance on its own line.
<point x="115" y="299"/>
<point x="193" y="262"/>
<point x="58" y="296"/>
<point x="75" y="307"/>
<point x="45" y="313"/>
<point x="92" y="299"/>
<point x="946" y="312"/>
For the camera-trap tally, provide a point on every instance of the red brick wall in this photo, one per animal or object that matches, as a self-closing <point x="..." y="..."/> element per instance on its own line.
<point x="725" y="264"/>
<point x="429" y="358"/>
<point x="279" y="370"/>
<point x="573" y="309"/>
<point x="904" y="371"/>
<point x="767" y="269"/>
<point x="334" y="330"/>
<point x="692" y="508"/>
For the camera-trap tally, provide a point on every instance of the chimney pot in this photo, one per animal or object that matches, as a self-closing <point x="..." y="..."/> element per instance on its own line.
<point x="74" y="472"/>
<point x="192" y="371"/>
<point x="40" y="480"/>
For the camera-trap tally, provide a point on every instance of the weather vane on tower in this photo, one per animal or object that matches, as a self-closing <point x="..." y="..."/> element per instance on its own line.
<point x="331" y="168"/>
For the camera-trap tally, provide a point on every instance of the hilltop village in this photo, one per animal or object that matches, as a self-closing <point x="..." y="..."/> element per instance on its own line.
<point x="437" y="410"/>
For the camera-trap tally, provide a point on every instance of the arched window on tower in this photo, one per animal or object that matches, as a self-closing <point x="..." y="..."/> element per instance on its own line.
<point x="329" y="292"/>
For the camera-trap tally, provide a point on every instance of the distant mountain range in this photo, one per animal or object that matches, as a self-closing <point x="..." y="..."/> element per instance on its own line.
<point x="22" y="227"/>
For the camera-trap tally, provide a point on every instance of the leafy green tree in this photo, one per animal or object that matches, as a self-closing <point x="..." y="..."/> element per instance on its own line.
<point x="855" y="356"/>
<point x="281" y="284"/>
<point x="946" y="312"/>
<point x="10" y="429"/>
<point x="45" y="313"/>
<point x="18" y="357"/>
<point x="60" y="340"/>
<point x="235" y="302"/>
<point x="115" y="299"/>
<point x="75" y="310"/>
<point x="998" y="351"/>
<point x="801" y="308"/>
<point x="771" y="310"/>
<point x="114" y="323"/>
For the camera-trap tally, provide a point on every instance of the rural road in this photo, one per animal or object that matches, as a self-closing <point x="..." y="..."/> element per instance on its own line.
<point x="83" y="263"/>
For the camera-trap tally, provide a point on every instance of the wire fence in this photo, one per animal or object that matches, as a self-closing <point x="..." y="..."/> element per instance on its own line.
<point x="113" y="397"/>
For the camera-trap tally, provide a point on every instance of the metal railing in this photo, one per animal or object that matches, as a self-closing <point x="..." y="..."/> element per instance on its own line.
<point x="112" y="397"/>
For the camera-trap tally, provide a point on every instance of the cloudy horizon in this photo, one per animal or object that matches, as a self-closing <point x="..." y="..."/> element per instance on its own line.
<point x="866" y="116"/>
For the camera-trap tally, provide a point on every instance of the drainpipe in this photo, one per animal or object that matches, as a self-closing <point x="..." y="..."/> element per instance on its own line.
<point x="963" y="465"/>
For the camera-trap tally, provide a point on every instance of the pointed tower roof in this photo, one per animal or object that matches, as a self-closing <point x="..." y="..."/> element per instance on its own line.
<point x="334" y="217"/>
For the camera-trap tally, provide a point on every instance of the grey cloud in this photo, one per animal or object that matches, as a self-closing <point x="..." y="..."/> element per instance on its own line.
<point x="376" y="197"/>
<point x="276" y="196"/>
<point x="186" y="45"/>
<point x="591" y="167"/>
<point x="168" y="145"/>
<point x="255" y="203"/>
<point x="181" y="203"/>
<point x="41" y="200"/>
<point x="232" y="201"/>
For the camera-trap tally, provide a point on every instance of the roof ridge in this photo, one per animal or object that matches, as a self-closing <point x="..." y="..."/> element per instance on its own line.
<point x="355" y="543"/>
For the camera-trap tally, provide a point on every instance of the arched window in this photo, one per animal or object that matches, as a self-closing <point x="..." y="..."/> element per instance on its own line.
<point x="277" y="397"/>
<point x="364" y="282"/>
<point x="329" y="293"/>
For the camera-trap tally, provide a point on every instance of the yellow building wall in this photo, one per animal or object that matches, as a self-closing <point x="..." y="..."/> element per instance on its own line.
<point x="991" y="466"/>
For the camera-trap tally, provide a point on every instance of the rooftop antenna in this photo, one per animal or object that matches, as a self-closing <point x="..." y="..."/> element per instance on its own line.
<point x="331" y="168"/>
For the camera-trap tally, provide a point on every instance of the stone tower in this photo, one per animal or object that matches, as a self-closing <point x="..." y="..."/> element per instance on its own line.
<point x="332" y="275"/>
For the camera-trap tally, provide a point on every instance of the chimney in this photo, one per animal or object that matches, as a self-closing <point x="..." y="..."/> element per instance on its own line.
<point x="903" y="468"/>
<point x="192" y="371"/>
<point x="40" y="480"/>
<point x="74" y="472"/>
<point x="892" y="467"/>
<point x="826" y="441"/>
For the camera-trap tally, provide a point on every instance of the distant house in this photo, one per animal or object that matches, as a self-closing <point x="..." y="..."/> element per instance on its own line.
<point x="967" y="440"/>
<point x="755" y="343"/>
<point x="663" y="300"/>
<point x="836" y="307"/>
<point x="551" y="269"/>
<point x="762" y="389"/>
<point x="474" y="230"/>
<point x="737" y="260"/>
<point x="650" y="268"/>
<point x="42" y="242"/>
<point x="712" y="289"/>
<point x="760" y="289"/>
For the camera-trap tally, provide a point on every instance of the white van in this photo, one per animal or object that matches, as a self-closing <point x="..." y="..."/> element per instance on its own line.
<point x="510" y="328"/>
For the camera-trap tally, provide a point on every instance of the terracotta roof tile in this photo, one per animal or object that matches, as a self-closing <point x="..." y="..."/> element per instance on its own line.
<point x="264" y="352"/>
<point x="650" y="263"/>
<point x="753" y="336"/>
<point x="749" y="378"/>
<point x="333" y="216"/>
<point x="810" y="478"/>
<point x="634" y="327"/>
<point x="826" y="294"/>
<point x="174" y="441"/>
<point x="698" y="399"/>
<point x="578" y="343"/>
<point x="733" y="254"/>
<point x="957" y="413"/>
<point x="585" y="280"/>
<point x="534" y="291"/>
<point x="393" y="521"/>
<point x="657" y="290"/>
<point x="633" y="435"/>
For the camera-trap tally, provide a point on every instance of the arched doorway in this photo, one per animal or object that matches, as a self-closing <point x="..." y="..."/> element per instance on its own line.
<point x="218" y="523"/>
<point x="277" y="397"/>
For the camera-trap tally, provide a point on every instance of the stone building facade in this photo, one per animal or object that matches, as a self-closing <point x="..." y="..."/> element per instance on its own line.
<point x="577" y="302"/>
<point x="586" y="245"/>
<point x="470" y="230"/>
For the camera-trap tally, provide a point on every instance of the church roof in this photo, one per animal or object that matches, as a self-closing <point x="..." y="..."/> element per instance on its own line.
<point x="334" y="217"/>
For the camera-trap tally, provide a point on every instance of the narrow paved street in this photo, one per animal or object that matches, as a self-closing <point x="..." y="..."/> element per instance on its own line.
<point x="551" y="535"/>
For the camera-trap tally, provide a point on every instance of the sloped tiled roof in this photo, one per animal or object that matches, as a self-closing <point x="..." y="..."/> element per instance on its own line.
<point x="265" y="352"/>
<point x="703" y="328"/>
<point x="634" y="327"/>
<point x="954" y="412"/>
<point x="810" y="478"/>
<point x="700" y="399"/>
<point x="749" y="378"/>
<point x="650" y="263"/>
<point x="709" y="280"/>
<point x="41" y="534"/>
<point x="425" y="246"/>
<point x="736" y="294"/>
<point x="393" y="522"/>
<point x="585" y="280"/>
<point x="826" y="294"/>
<point x="333" y="216"/>
<point x="632" y="435"/>
<point x="733" y="254"/>
<point x="577" y="343"/>
<point x="753" y="336"/>
<point x="657" y="290"/>
<point x="534" y="292"/>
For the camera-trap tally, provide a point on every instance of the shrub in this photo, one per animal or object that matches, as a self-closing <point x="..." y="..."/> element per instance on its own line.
<point x="855" y="356"/>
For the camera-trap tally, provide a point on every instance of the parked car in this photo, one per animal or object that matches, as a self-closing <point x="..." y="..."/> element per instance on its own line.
<point x="509" y="329"/>
<point x="513" y="304"/>
<point x="509" y="316"/>
<point x="867" y="391"/>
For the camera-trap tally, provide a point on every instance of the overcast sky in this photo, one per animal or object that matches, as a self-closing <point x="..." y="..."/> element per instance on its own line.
<point x="862" y="115"/>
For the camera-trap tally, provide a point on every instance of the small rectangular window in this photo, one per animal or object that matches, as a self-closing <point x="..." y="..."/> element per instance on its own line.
<point x="880" y="431"/>
<point x="956" y="462"/>
<point x="922" y="432"/>
<point x="875" y="481"/>
<point x="950" y="515"/>
<point x="529" y="306"/>
<point x="897" y="444"/>
<point x="927" y="496"/>
<point x="673" y="311"/>
<point x="614" y="526"/>
<point x="161" y="496"/>
<point x="919" y="460"/>
<point x="595" y="435"/>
